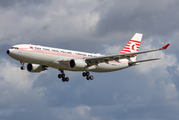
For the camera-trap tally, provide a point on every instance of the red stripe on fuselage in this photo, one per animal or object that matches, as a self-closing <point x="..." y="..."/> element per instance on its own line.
<point x="55" y="53"/>
<point x="51" y="53"/>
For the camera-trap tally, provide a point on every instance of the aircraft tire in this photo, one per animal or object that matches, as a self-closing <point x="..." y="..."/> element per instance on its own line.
<point x="91" y="77"/>
<point x="84" y="74"/>
<point x="66" y="79"/>
<point x="22" y="67"/>
<point x="63" y="75"/>
<point x="59" y="76"/>
<point x="87" y="73"/>
<point x="63" y="80"/>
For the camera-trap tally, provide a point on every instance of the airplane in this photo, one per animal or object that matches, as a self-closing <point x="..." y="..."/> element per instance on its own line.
<point x="40" y="57"/>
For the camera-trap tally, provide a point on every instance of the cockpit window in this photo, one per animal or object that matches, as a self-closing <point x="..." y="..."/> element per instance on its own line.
<point x="14" y="48"/>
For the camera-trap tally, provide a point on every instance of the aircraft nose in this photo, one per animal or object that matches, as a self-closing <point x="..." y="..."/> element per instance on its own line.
<point x="8" y="51"/>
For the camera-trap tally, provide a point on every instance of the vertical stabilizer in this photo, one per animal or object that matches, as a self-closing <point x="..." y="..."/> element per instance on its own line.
<point x="133" y="45"/>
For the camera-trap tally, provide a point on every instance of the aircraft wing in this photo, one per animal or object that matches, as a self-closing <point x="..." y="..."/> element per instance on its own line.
<point x="137" y="62"/>
<point x="96" y="60"/>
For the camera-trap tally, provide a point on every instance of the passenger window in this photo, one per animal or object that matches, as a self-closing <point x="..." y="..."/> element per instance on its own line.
<point x="14" y="48"/>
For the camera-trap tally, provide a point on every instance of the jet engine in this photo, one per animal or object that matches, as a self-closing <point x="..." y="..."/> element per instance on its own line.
<point x="77" y="63"/>
<point x="35" y="67"/>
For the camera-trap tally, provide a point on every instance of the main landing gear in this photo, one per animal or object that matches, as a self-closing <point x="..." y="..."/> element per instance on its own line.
<point x="22" y="67"/>
<point x="62" y="75"/>
<point x="66" y="79"/>
<point x="87" y="75"/>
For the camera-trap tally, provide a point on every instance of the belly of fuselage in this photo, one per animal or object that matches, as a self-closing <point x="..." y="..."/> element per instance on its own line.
<point x="54" y="62"/>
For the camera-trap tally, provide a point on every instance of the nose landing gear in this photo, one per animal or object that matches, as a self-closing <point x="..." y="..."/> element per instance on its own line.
<point x="22" y="67"/>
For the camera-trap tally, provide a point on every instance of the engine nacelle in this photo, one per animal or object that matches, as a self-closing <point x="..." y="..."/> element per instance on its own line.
<point x="35" y="68"/>
<point x="77" y="63"/>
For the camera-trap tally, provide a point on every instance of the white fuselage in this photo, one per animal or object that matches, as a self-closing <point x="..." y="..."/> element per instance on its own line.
<point x="52" y="57"/>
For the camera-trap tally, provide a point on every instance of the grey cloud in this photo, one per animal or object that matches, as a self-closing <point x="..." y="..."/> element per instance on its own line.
<point x="10" y="3"/>
<point x="148" y="17"/>
<point x="140" y="112"/>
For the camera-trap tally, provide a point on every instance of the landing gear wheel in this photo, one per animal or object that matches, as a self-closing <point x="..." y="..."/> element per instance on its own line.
<point x="22" y="67"/>
<point x="66" y="79"/>
<point x="87" y="73"/>
<point x="59" y="76"/>
<point x="63" y="79"/>
<point x="63" y="75"/>
<point x="87" y="77"/>
<point x="84" y="74"/>
<point x="91" y="77"/>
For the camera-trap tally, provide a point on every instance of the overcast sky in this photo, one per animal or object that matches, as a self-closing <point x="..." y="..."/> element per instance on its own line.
<point x="149" y="91"/>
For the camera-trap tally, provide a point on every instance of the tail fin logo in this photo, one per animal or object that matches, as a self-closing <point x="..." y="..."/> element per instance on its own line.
<point x="132" y="46"/>
<point x="135" y="46"/>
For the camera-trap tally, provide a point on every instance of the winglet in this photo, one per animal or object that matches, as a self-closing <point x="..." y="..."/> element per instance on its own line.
<point x="165" y="47"/>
